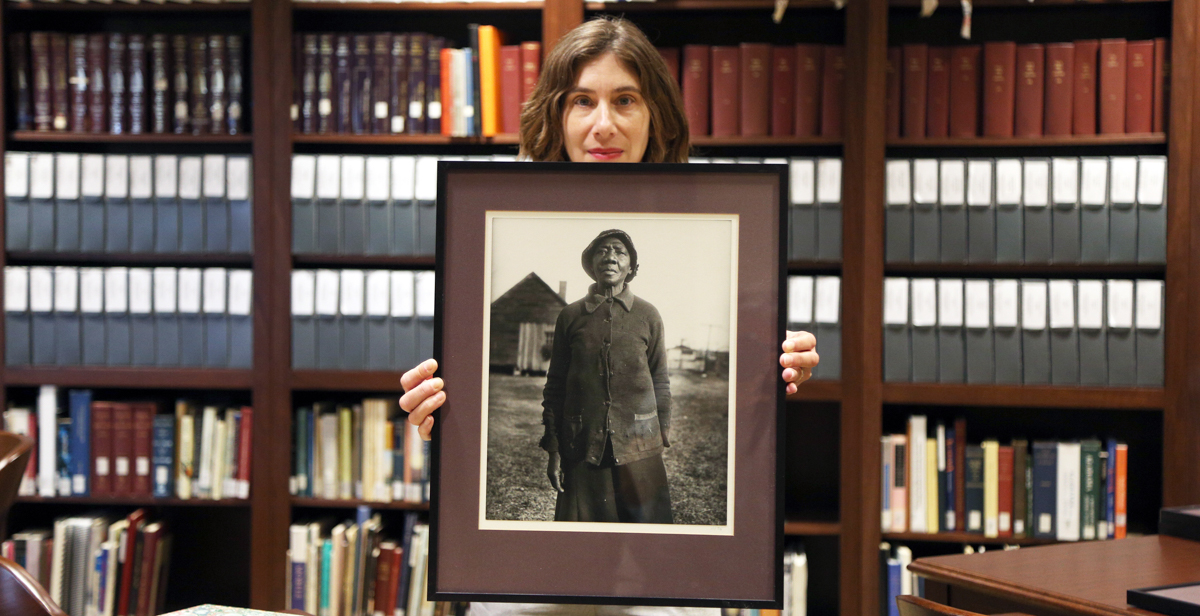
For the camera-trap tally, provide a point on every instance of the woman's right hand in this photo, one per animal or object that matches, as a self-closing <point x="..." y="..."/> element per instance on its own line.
<point x="554" y="471"/>
<point x="422" y="395"/>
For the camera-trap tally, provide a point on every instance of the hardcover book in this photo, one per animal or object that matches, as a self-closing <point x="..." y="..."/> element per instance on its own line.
<point x="726" y="90"/>
<point x="39" y="49"/>
<point x="916" y="59"/>
<point x="117" y="94"/>
<point x="937" y="121"/>
<point x="1139" y="87"/>
<point x="696" y="82"/>
<point x="59" y="70"/>
<point x="343" y="84"/>
<point x="1112" y="73"/>
<point x="1030" y="90"/>
<point x="199" y="118"/>
<point x="22" y="96"/>
<point x="325" y="88"/>
<point x="160" y="84"/>
<point x="893" y="92"/>
<point x="964" y="90"/>
<point x="999" y="68"/>
<point x="810" y="60"/>
<point x="1060" y="69"/>
<point x="217" y="96"/>
<point x="137" y="84"/>
<point x="398" y="90"/>
<point x="381" y="82"/>
<point x="1083" y="121"/>
<point x="97" y="83"/>
<point x="181" y="85"/>
<point x="755" y="89"/>
<point x="234" y="84"/>
<point x="78" y="83"/>
<point x="831" y="91"/>
<point x="783" y="91"/>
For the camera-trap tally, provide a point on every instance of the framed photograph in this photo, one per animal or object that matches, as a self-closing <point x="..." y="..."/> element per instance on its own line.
<point x="1174" y="600"/>
<point x="610" y="339"/>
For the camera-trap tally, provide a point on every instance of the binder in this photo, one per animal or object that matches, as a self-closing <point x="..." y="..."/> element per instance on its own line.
<point x="1035" y="335"/>
<point x="41" y="307"/>
<point x="141" y="318"/>
<point x="216" y="322"/>
<point x="191" y="323"/>
<point x="379" y="208"/>
<point x="353" y="317"/>
<point x="1006" y="323"/>
<point x="17" y="318"/>
<point x="1122" y="350"/>
<point x="827" y="313"/>
<point x="1036" y="193"/>
<point x="981" y="213"/>
<point x="67" y="334"/>
<point x="829" y="210"/>
<point x="329" y="338"/>
<point x="91" y="314"/>
<point x="404" y="213"/>
<point x="800" y="303"/>
<point x="241" y="320"/>
<point x="1152" y="209"/>
<point x="66" y="203"/>
<point x="979" y="346"/>
<point x="117" y="349"/>
<point x="1065" y="215"/>
<point x="304" y="326"/>
<point x="425" y="192"/>
<point x="802" y="184"/>
<point x="1093" y="346"/>
<point x="16" y="202"/>
<point x="424" y="284"/>
<point x="116" y="203"/>
<point x="1064" y="334"/>
<point x="1010" y="216"/>
<point x="304" y="213"/>
<point x="1093" y="210"/>
<point x="166" y="318"/>
<point x="924" y="330"/>
<point x="191" y="212"/>
<point x="1149" y="334"/>
<point x="1122" y="215"/>
<point x="897" y="214"/>
<point x="141" y="199"/>
<point x="926" y="221"/>
<point x="897" y="346"/>
<point x="404" y="323"/>
<point x="92" y="210"/>
<point x="379" y="328"/>
<point x="354" y="218"/>
<point x="216" y="211"/>
<point x="953" y="212"/>
<point x="329" y="169"/>
<point x="241" y="214"/>
<point x="952" y="354"/>
<point x="41" y="202"/>
<point x="166" y="203"/>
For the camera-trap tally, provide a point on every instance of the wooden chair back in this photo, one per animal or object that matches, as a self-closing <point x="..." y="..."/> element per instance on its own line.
<point x="21" y="595"/>
<point x="15" y="451"/>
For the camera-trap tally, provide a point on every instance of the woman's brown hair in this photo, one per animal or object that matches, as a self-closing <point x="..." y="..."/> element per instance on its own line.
<point x="542" y="117"/>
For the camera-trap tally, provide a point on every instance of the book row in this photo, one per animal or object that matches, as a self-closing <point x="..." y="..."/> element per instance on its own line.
<point x="94" y="448"/>
<point x="91" y="203"/>
<point x="97" y="564"/>
<point x="1027" y="210"/>
<point x="815" y="217"/>
<point x="361" y="320"/>
<point x="117" y="316"/>
<point x="1060" y="490"/>
<point x="814" y="305"/>
<point x="1032" y="332"/>
<point x="756" y="89"/>
<point x="366" y="451"/>
<point x="1002" y="89"/>
<point x="134" y="84"/>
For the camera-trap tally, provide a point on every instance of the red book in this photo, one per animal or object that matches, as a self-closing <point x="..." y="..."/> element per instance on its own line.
<point x="696" y="76"/>
<point x="810" y="60"/>
<point x="448" y="110"/>
<point x="895" y="58"/>
<point x="59" y="71"/>
<point x="97" y="60"/>
<point x="102" y="443"/>
<point x="1005" y="490"/>
<point x="383" y="575"/>
<point x="1158" y="122"/>
<point x="1030" y="90"/>
<point x="1113" y="56"/>
<point x="137" y="520"/>
<point x="78" y="82"/>
<point x="122" y="449"/>
<point x="726" y="91"/>
<point x="915" y="83"/>
<point x="510" y="88"/>
<point x="143" y="441"/>
<point x="531" y="67"/>
<point x="831" y="91"/>
<point x="1060" y="67"/>
<point x="756" y="89"/>
<point x="151" y="537"/>
<point x="1139" y="87"/>
<point x="937" y="121"/>
<point x="783" y="91"/>
<point x="1083" y="118"/>
<point x="244" y="444"/>
<point x="964" y="91"/>
<point x="393" y="586"/>
<point x="960" y="478"/>
<point x="670" y="56"/>
<point x="999" y="68"/>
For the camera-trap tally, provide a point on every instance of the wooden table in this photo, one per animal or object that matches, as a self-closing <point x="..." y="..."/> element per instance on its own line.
<point x="1088" y="578"/>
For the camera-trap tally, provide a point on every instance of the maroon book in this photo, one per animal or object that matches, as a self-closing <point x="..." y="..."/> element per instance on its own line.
<point x="60" y="95"/>
<point x="916" y="89"/>
<point x="726" y="91"/>
<point x="118" y="95"/>
<point x="122" y="449"/>
<point x="307" y="75"/>
<point x="360" y="77"/>
<point x="97" y="83"/>
<point x="181" y="84"/>
<point x="381" y="82"/>
<point x="102" y="443"/>
<point x="756" y="89"/>
<point x="1112" y="73"/>
<point x="810" y="70"/>
<point x="531" y="68"/>
<point x="783" y="91"/>
<point x="895" y="58"/>
<point x="696" y="76"/>
<point x="1030" y="90"/>
<point x="1060" y="67"/>
<point x="39" y="50"/>
<point x="999" y="66"/>
<point x="217" y="96"/>
<point x="325" y="88"/>
<point x="18" y="46"/>
<point x="160" y="83"/>
<point x="831" y="91"/>
<point x="964" y="90"/>
<point x="960" y="463"/>
<point x="78" y="83"/>
<point x="234" y="83"/>
<point x="670" y="56"/>
<point x="137" y="84"/>
<point x="937" y="120"/>
<point x="1139" y="87"/>
<point x="1083" y="99"/>
<point x="1162" y="59"/>
<point x="143" y="440"/>
<point x="199" y="91"/>
<point x="510" y="88"/>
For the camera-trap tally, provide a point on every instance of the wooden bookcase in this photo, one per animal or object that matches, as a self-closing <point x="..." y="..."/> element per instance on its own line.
<point x="235" y="551"/>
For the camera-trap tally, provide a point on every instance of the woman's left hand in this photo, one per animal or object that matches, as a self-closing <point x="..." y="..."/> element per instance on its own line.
<point x="798" y="359"/>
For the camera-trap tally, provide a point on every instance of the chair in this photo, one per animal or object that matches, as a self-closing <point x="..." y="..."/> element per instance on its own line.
<point x="916" y="606"/>
<point x="15" y="451"/>
<point x="21" y="595"/>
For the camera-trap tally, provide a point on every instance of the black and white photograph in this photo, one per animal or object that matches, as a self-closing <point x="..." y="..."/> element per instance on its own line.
<point x="608" y="399"/>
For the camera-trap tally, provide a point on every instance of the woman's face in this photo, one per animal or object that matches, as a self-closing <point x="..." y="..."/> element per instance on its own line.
<point x="610" y="262"/>
<point x="606" y="118"/>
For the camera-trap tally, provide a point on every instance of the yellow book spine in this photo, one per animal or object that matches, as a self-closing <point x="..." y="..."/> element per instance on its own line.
<point x="931" y="485"/>
<point x="991" y="488"/>
<point x="489" y="78"/>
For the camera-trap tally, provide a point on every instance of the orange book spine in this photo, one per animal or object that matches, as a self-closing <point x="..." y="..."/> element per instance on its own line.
<point x="448" y="109"/>
<point x="489" y="78"/>
<point x="1120" y="494"/>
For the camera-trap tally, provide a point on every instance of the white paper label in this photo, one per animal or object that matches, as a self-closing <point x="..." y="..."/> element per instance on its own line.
<point x="66" y="177"/>
<point x="122" y="466"/>
<point x="953" y="182"/>
<point x="425" y="283"/>
<point x="1093" y="183"/>
<point x="1152" y="179"/>
<point x="91" y="290"/>
<point x="214" y="175"/>
<point x="141" y="293"/>
<point x="141" y="177"/>
<point x="979" y="303"/>
<point x="1019" y="527"/>
<point x="1005" y="311"/>
<point x="979" y="183"/>
<point x="41" y="289"/>
<point x="66" y="289"/>
<point x="1008" y="181"/>
<point x="241" y="292"/>
<point x="950" y="302"/>
<point x="1062" y="304"/>
<point x="143" y="466"/>
<point x="1045" y="523"/>
<point x="426" y="187"/>
<point x="435" y="110"/>
<point x="925" y="181"/>
<point x="189" y="290"/>
<point x="416" y="110"/>
<point x="304" y="293"/>
<point x="16" y="288"/>
<point x="802" y="181"/>
<point x="189" y="177"/>
<point x="1033" y="305"/>
<point x="304" y="170"/>
<point x="238" y="177"/>
<point x="378" y="293"/>
<point x="329" y="176"/>
<point x="102" y="466"/>
<point x="924" y="302"/>
<point x="1091" y="304"/>
<point x="1120" y="304"/>
<point x="1122" y="187"/>
<point x="381" y="110"/>
<point x="327" y="292"/>
<point x="165" y="289"/>
<point x="16" y="174"/>
<point x="353" y="177"/>
<point x="404" y="174"/>
<point x="974" y="519"/>
<point x="829" y="180"/>
<point x="41" y="176"/>
<point x="468" y="111"/>
<point x="403" y="302"/>
<point x="899" y="183"/>
<point x="116" y="289"/>
<point x="166" y="175"/>
<point x="895" y="301"/>
<point x="1037" y="183"/>
<point x="800" y="299"/>
<point x="324" y="107"/>
<point x="92" y="182"/>
<point x="1149" y="304"/>
<point x="352" y="292"/>
<point x="828" y="298"/>
<point x="116" y="176"/>
<point x="214" y="290"/>
<point x="398" y="124"/>
<point x="1066" y="180"/>
<point x="78" y="483"/>
<point x="378" y="178"/>
<point x="1005" y="521"/>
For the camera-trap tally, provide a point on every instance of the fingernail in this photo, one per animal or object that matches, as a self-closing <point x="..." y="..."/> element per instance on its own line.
<point x="789" y="346"/>
<point x="437" y="384"/>
<point x="787" y="361"/>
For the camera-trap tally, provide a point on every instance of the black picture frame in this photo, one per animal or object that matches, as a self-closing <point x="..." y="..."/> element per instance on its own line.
<point x="743" y="567"/>
<point x="1151" y="599"/>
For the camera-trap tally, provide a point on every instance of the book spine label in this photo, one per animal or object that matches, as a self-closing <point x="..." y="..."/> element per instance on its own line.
<point x="117" y="94"/>
<point x="164" y="455"/>
<point x="59" y="74"/>
<point x="1083" y="99"/>
<point x="964" y="91"/>
<point x="180" y="84"/>
<point x="199" y="91"/>
<point x="217" y="98"/>
<point x="1162" y="58"/>
<point x="1113" y="56"/>
<point x="39" y="48"/>
<point x="1139" y="87"/>
<point x="1060" y="67"/>
<point x="696" y="85"/>
<point x="916" y="75"/>
<point x="893" y="91"/>
<point x="831" y="91"/>
<point x="999" y="67"/>
<point x="937" y="121"/>
<point x="79" y="83"/>
<point x="18" y="46"/>
<point x="137" y="84"/>
<point x="360" y="77"/>
<point x="381" y="83"/>
<point x="160" y="83"/>
<point x="726" y="68"/>
<point x="755" y="89"/>
<point x="1030" y="90"/>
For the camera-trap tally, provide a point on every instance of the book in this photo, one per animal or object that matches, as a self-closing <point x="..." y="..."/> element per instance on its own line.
<point x="531" y="68"/>
<point x="831" y="90"/>
<point x="143" y="441"/>
<point x="510" y="88"/>
<point x="1030" y="90"/>
<point x="19" y="83"/>
<point x="343" y="84"/>
<point x="1059" y="101"/>
<point x="381" y="84"/>
<point x="810" y="74"/>
<point x="80" y="403"/>
<point x="78" y="82"/>
<point x="160" y="84"/>
<point x="756" y="102"/>
<point x="199" y="120"/>
<point x="1005" y="492"/>
<point x="326" y="92"/>
<point x="1162" y="57"/>
<point x="122" y="448"/>
<point x="726" y="91"/>
<point x="181" y="84"/>
<point x="1020" y="497"/>
<point x="136" y="50"/>
<point x="974" y="487"/>
<point x="306" y="80"/>
<point x="915" y="87"/>
<point x="696" y="87"/>
<point x="218" y="99"/>
<point x="117" y="86"/>
<point x="1120" y="491"/>
<point x="490" y="40"/>
<point x="999" y="100"/>
<point x="991" y="488"/>
<point x="1045" y="484"/>
<point x="235" y="84"/>
<point x="361" y="71"/>
<point x="39" y="51"/>
<point x="59" y="70"/>
<point x="1084" y="97"/>
<point x="1089" y="512"/>
<point x="893" y="92"/>
<point x="163" y="451"/>
<point x="1139" y="87"/>
<point x="937" y="122"/>
<point x="416" y="83"/>
<point x="1112" y="82"/>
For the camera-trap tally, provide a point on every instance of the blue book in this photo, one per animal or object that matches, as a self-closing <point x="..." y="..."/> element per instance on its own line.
<point x="163" y="456"/>
<point x="973" y="485"/>
<point x="311" y="451"/>
<point x="299" y="577"/>
<point x="398" y="433"/>
<point x="64" y="457"/>
<point x="81" y="440"/>
<point x="1110" y="488"/>
<point x="950" y="521"/>
<point x="1045" y="480"/>
<point x="101" y="575"/>
<point x="326" y="568"/>
<point x="893" y="587"/>
<point x="470" y="94"/>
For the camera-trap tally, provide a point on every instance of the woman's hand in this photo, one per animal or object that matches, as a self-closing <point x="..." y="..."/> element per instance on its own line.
<point x="554" y="471"/>
<point x="798" y="359"/>
<point x="422" y="395"/>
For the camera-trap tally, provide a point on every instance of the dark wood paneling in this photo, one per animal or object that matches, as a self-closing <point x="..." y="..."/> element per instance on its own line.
<point x="1128" y="398"/>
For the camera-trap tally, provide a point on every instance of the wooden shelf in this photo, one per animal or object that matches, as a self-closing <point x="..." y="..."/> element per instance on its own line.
<point x="133" y="501"/>
<point x="812" y="528"/>
<point x="1033" y="396"/>
<point x="303" y="501"/>
<point x="33" y="136"/>
<point x="708" y="142"/>
<point x="533" y="5"/>
<point x="973" y="538"/>
<point x="131" y="378"/>
<point x="122" y="7"/>
<point x="364" y="261"/>
<point x="147" y="259"/>
<point x="347" y="380"/>
<point x="1131" y="270"/>
<point x="955" y="4"/>
<point x="816" y="390"/>
<point x="702" y="5"/>
<point x="814" y="267"/>
<point x="345" y="139"/>
<point x="1069" y="140"/>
